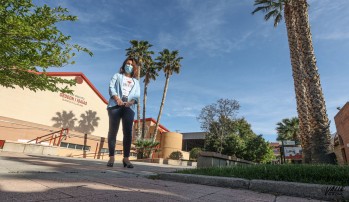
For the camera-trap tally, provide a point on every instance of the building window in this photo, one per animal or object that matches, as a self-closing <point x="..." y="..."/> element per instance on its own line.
<point x="104" y="150"/>
<point x="63" y="144"/>
<point x="75" y="146"/>
<point x="87" y="148"/>
<point x="79" y="147"/>
<point x="71" y="146"/>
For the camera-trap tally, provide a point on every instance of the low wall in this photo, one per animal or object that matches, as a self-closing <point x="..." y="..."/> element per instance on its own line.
<point x="213" y="159"/>
<point x="11" y="146"/>
<point x="155" y="160"/>
<point x="168" y="162"/>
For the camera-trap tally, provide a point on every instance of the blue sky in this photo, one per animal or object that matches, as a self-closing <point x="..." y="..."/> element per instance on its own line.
<point x="228" y="53"/>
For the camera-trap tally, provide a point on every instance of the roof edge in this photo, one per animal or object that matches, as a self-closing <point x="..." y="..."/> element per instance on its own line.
<point x="154" y="121"/>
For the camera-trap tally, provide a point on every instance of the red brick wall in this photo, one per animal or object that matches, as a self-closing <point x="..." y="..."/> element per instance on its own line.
<point x="342" y="126"/>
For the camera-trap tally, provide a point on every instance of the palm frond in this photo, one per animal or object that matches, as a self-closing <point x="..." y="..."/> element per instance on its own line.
<point x="278" y="18"/>
<point x="272" y="8"/>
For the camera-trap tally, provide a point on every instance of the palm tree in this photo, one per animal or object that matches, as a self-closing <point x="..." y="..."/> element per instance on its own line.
<point x="288" y="129"/>
<point x="319" y="122"/>
<point x="169" y="62"/>
<point x="302" y="91"/>
<point x="150" y="73"/>
<point x="275" y="9"/>
<point x="314" y="131"/>
<point x="139" y="51"/>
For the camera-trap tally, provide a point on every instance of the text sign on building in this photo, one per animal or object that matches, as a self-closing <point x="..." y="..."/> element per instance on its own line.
<point x="288" y="143"/>
<point x="73" y="99"/>
<point x="293" y="152"/>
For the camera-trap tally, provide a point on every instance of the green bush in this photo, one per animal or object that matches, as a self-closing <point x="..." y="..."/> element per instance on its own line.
<point x="314" y="174"/>
<point x="176" y="155"/>
<point x="194" y="153"/>
<point x="145" y="147"/>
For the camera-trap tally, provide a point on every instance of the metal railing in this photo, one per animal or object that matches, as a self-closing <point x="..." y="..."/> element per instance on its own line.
<point x="54" y="138"/>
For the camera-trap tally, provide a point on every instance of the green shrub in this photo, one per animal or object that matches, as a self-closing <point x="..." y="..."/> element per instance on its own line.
<point x="145" y="147"/>
<point x="176" y="155"/>
<point x="314" y="174"/>
<point x="194" y="153"/>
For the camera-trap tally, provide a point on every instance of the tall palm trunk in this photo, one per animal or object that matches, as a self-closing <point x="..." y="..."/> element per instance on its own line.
<point x="299" y="78"/>
<point x="320" y="134"/>
<point x="138" y="104"/>
<point x="161" y="106"/>
<point x="144" y="104"/>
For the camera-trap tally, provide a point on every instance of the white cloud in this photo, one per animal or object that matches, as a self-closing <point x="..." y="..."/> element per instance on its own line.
<point x="204" y="28"/>
<point x="334" y="35"/>
<point x="106" y="42"/>
<point x="98" y="14"/>
<point x="329" y="20"/>
<point x="166" y="39"/>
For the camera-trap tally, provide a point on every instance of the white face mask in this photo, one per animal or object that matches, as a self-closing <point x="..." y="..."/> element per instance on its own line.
<point x="128" y="69"/>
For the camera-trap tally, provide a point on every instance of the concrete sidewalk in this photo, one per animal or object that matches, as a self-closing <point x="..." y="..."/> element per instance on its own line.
<point x="25" y="177"/>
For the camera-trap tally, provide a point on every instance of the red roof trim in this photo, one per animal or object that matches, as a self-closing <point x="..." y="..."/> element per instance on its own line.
<point x="83" y="76"/>
<point x="154" y="121"/>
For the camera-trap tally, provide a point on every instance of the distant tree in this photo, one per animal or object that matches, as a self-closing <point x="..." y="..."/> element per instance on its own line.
<point x="217" y="120"/>
<point x="139" y="50"/>
<point x="234" y="145"/>
<point x="251" y="147"/>
<point x="236" y="142"/>
<point x="243" y="129"/>
<point x="288" y="129"/>
<point x="232" y="136"/>
<point x="169" y="62"/>
<point x="268" y="156"/>
<point x="30" y="43"/>
<point x="258" y="150"/>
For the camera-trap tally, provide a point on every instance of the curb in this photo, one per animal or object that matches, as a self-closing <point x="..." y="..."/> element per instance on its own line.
<point x="304" y="190"/>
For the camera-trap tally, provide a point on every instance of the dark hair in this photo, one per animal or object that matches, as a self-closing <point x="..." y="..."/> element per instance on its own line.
<point x="134" y="73"/>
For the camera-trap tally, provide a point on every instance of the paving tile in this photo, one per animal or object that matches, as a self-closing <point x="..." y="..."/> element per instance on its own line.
<point x="126" y="196"/>
<point x="227" y="194"/>
<point x="75" y="189"/>
<point x="26" y="190"/>
<point x="26" y="177"/>
<point x="292" y="199"/>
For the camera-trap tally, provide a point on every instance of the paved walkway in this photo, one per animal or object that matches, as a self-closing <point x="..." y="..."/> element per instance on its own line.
<point x="25" y="177"/>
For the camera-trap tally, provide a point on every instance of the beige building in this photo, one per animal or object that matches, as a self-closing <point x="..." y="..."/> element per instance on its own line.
<point x="29" y="117"/>
<point x="169" y="141"/>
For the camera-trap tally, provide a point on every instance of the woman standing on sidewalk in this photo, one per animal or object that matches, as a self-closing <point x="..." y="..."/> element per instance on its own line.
<point x="124" y="91"/>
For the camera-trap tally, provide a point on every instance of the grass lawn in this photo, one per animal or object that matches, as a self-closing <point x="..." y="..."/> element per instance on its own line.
<point x="315" y="174"/>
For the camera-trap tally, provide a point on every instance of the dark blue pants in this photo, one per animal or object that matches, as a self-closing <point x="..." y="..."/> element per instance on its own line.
<point x="116" y="114"/>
